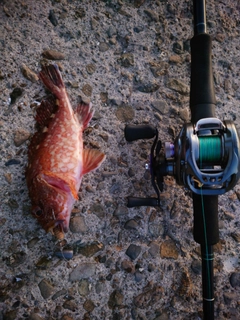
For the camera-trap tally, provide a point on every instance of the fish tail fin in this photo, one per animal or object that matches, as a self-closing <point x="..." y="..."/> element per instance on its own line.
<point x="52" y="79"/>
<point x="84" y="113"/>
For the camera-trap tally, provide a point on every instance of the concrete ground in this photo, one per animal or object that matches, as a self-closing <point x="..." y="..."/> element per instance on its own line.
<point x="131" y="58"/>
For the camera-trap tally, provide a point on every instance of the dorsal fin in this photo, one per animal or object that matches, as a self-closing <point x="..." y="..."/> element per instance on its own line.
<point x="92" y="159"/>
<point x="84" y="113"/>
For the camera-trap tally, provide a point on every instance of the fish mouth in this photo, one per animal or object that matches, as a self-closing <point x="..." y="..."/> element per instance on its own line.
<point x="61" y="224"/>
<point x="59" y="229"/>
<point x="58" y="232"/>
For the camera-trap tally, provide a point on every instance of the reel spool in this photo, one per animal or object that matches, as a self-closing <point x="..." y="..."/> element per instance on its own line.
<point x="205" y="158"/>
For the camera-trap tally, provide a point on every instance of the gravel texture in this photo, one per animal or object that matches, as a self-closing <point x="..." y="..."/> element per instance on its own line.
<point x="131" y="58"/>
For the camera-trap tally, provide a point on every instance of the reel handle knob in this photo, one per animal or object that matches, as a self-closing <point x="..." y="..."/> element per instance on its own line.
<point x="135" y="132"/>
<point x="138" y="202"/>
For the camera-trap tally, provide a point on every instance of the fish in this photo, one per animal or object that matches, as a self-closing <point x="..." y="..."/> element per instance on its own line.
<point x="57" y="160"/>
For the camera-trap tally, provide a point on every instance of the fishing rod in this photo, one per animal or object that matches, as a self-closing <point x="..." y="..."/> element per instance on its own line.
<point x="204" y="158"/>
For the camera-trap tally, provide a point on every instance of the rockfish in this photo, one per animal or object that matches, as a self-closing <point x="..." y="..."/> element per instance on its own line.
<point x="56" y="158"/>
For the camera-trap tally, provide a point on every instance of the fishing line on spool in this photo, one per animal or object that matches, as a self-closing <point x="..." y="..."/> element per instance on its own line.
<point x="207" y="153"/>
<point x="210" y="149"/>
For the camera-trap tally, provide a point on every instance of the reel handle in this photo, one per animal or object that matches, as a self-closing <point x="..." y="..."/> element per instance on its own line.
<point x="142" y="131"/>
<point x="138" y="202"/>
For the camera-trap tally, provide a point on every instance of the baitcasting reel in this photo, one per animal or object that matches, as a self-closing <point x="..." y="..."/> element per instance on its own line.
<point x="205" y="158"/>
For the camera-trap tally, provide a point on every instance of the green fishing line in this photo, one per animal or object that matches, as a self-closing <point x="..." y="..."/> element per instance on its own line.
<point x="210" y="149"/>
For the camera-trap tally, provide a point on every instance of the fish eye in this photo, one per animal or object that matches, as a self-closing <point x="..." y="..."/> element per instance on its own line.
<point x="37" y="212"/>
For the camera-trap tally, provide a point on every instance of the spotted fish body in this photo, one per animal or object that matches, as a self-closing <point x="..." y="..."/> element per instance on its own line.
<point x="56" y="158"/>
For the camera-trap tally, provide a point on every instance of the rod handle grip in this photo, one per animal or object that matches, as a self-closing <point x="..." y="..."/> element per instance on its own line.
<point x="202" y="92"/>
<point x="135" y="132"/>
<point x="138" y="202"/>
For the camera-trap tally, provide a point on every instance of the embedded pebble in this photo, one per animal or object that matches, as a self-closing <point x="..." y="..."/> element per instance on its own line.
<point x="8" y="177"/>
<point x="178" y="85"/>
<point x="156" y="229"/>
<point x="83" y="271"/>
<point x="52" y="17"/>
<point x="46" y="288"/>
<point x="148" y="87"/>
<point x="65" y="252"/>
<point x="196" y="266"/>
<point x="185" y="285"/>
<point x="139" y="276"/>
<point x="154" y="249"/>
<point x="229" y="215"/>
<point x="160" y="106"/>
<point x="78" y="224"/>
<point x="104" y="97"/>
<point x="44" y="262"/>
<point x="20" y="136"/>
<point x="148" y="297"/>
<point x="80" y="13"/>
<point x="127" y="266"/>
<point x="115" y="299"/>
<point x="91" y="68"/>
<point x="127" y="60"/>
<point x="16" y="259"/>
<point x="175" y="59"/>
<point x="125" y="113"/>
<point x="131" y="172"/>
<point x="83" y="287"/>
<point x="158" y="68"/>
<point x="103" y="47"/>
<point x="133" y="251"/>
<point x="29" y="74"/>
<point x="53" y="54"/>
<point x="120" y="211"/>
<point x="236" y="236"/>
<point x="131" y="225"/>
<point x="178" y="47"/>
<point x="59" y="293"/>
<point x="168" y="249"/>
<point x="98" y="210"/>
<point x="87" y="90"/>
<point x="235" y="279"/>
<point x="88" y="305"/>
<point x="35" y="316"/>
<point x="152" y="15"/>
<point x="175" y="210"/>
<point x="100" y="287"/>
<point x="70" y="305"/>
<point x="88" y="249"/>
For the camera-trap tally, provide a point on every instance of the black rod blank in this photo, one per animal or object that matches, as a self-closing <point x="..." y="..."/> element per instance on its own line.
<point x="199" y="13"/>
<point x="207" y="282"/>
<point x="202" y="105"/>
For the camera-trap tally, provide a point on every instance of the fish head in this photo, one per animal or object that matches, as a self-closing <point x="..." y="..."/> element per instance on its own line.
<point x="52" y="203"/>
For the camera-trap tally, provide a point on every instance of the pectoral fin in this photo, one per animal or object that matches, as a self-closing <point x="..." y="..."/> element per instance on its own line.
<point x="92" y="159"/>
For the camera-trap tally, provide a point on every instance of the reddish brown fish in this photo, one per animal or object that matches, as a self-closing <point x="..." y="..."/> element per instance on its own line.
<point x="56" y="158"/>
